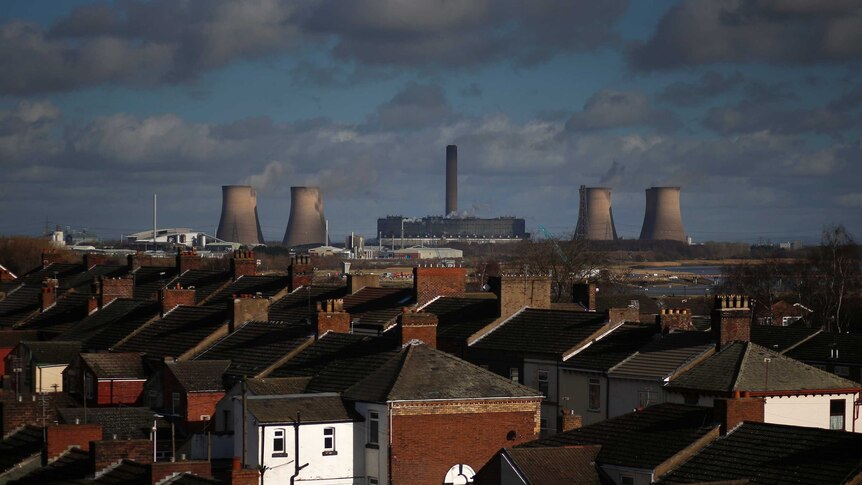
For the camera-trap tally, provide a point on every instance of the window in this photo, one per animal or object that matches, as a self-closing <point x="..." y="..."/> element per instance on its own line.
<point x="372" y="481"/>
<point x="627" y="480"/>
<point x="647" y="398"/>
<point x="373" y="427"/>
<point x="175" y="403"/>
<point x="514" y="374"/>
<point x="328" y="441"/>
<point x="842" y="370"/>
<point x="836" y="413"/>
<point x="542" y="377"/>
<point x="595" y="395"/>
<point x="278" y="442"/>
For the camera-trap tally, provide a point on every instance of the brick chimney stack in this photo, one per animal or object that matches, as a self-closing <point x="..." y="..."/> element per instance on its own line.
<point x="300" y="272"/>
<point x="617" y="316"/>
<point x="418" y="326"/>
<point x="569" y="420"/>
<point x="731" y="319"/>
<point x="672" y="319"/>
<point x="172" y="297"/>
<point x="187" y="260"/>
<point x="243" y="263"/>
<point x="516" y="292"/>
<point x="356" y="282"/>
<point x="431" y="282"/>
<point x="247" y="308"/>
<point x="93" y="259"/>
<point x="332" y="317"/>
<point x="113" y="288"/>
<point x="49" y="293"/>
<point x="731" y="412"/>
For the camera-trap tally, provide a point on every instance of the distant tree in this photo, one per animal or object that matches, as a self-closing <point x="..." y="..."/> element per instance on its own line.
<point x="565" y="261"/>
<point x="835" y="265"/>
<point x="762" y="280"/>
<point x="21" y="255"/>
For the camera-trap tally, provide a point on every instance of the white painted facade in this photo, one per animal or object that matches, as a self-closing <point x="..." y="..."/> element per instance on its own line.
<point x="575" y="394"/>
<point x="810" y="410"/>
<point x="48" y="378"/>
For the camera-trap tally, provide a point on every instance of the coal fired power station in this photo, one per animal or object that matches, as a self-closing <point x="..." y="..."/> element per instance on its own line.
<point x="595" y="216"/>
<point x="663" y="218"/>
<point x="239" y="222"/>
<point x="306" y="225"/>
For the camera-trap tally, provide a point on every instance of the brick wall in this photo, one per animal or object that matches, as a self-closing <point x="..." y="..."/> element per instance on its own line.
<point x="247" y="308"/>
<point x="419" y="326"/>
<point x="165" y="469"/>
<point x="617" y="316"/>
<point x="49" y="292"/>
<point x="516" y="292"/>
<point x="300" y="272"/>
<point x="244" y="476"/>
<point x="429" y="283"/>
<point x="243" y="263"/>
<point x="733" y="411"/>
<point x="428" y="439"/>
<point x="61" y="437"/>
<point x="674" y="319"/>
<point x="113" y="288"/>
<point x="171" y="297"/>
<point x="201" y="404"/>
<point x="104" y="453"/>
<point x="356" y="282"/>
<point x="187" y="260"/>
<point x="113" y="392"/>
<point x="92" y="259"/>
<point x="731" y="319"/>
<point x="29" y="409"/>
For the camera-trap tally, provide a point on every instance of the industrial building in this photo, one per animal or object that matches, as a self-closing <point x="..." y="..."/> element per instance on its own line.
<point x="401" y="231"/>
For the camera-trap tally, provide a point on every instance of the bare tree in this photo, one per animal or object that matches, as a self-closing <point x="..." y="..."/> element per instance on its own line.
<point x="837" y="266"/>
<point x="565" y="261"/>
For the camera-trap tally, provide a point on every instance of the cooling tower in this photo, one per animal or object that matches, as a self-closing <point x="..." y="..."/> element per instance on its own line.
<point x="595" y="217"/>
<point x="663" y="220"/>
<point x="239" y="222"/>
<point x="306" y="224"/>
<point x="451" y="179"/>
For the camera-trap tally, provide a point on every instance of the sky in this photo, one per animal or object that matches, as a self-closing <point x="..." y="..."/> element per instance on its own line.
<point x="753" y="107"/>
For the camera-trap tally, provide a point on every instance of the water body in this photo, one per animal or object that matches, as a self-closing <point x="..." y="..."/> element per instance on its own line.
<point x="710" y="270"/>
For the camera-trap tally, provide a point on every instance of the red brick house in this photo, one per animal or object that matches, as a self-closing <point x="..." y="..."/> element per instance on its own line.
<point x="191" y="390"/>
<point x="110" y="379"/>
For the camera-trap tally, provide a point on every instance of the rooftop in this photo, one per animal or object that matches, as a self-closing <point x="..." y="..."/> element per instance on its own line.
<point x="666" y="355"/>
<point x="838" y="348"/>
<point x="779" y="339"/>
<point x="54" y="352"/>
<point x="459" y="318"/>
<point x="537" y="331"/>
<point x="612" y="348"/>
<point x="125" y="422"/>
<point x="199" y="375"/>
<point x="177" y="333"/>
<point x="121" y="365"/>
<point x="556" y="465"/>
<point x="301" y="304"/>
<point x="114" y="322"/>
<point x="256" y="346"/>
<point x="311" y="408"/>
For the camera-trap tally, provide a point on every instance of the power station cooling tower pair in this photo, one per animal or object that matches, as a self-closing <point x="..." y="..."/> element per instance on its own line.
<point x="239" y="222"/>
<point x="662" y="219"/>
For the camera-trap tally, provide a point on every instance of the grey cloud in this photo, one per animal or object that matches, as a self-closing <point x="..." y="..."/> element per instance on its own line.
<point x="702" y="32"/>
<point x="27" y="132"/>
<point x="415" y="106"/>
<point x="748" y="117"/>
<point x="471" y="91"/>
<point x="712" y="84"/>
<point x="608" y="109"/>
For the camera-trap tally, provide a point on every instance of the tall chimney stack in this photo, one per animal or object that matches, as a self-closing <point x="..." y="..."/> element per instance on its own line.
<point x="451" y="179"/>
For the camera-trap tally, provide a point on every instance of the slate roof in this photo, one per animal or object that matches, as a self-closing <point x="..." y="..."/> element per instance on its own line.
<point x="613" y="348"/>
<point x="120" y="365"/>
<point x="373" y="308"/>
<point x="117" y="320"/>
<point x="72" y="467"/>
<point x="177" y="332"/>
<point x="255" y="346"/>
<point x="82" y="282"/>
<point x="537" y="331"/>
<point x="204" y="281"/>
<point x="19" y="304"/>
<point x="200" y="375"/>
<point x="125" y="422"/>
<point x="18" y="446"/>
<point x="54" y="352"/>
<point x="10" y="338"/>
<point x="642" y="439"/>
<point x="773" y="454"/>
<point x="820" y="347"/>
<point x="190" y="479"/>
<point x="267" y="286"/>
<point x="327" y="350"/>
<point x="301" y="304"/>
<point x="53" y="270"/>
<point x="126" y="473"/>
<point x="419" y="372"/>
<point x="459" y="318"/>
<point x="779" y="339"/>
<point x="557" y="465"/>
<point x="274" y="386"/>
<point x="313" y="408"/>
<point x="69" y="309"/>
<point x="150" y="279"/>
<point x="665" y="356"/>
<point x="740" y="366"/>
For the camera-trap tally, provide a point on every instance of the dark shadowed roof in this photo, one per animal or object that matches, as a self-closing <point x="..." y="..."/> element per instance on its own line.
<point x="740" y="366"/>
<point x="773" y="454"/>
<point x="613" y="348"/>
<point x="274" y="386"/>
<point x="121" y="365"/>
<point x="255" y="346"/>
<point x="665" y="355"/>
<point x="779" y="339"/>
<point x="459" y="318"/>
<point x="313" y="408"/>
<point x="19" y="304"/>
<point x="419" y="372"/>
<point x="126" y="473"/>
<point x="200" y="375"/>
<point x="54" y="352"/>
<point x="301" y="304"/>
<point x="839" y="348"/>
<point x="149" y="279"/>
<point x="190" y="479"/>
<point x="557" y="465"/>
<point x="69" y="309"/>
<point x="10" y="338"/>
<point x="178" y="332"/>
<point x="328" y="350"/>
<point x="537" y="331"/>
<point x="374" y="308"/>
<point x="19" y="445"/>
<point x="643" y="439"/>
<point x="117" y="320"/>
<point x="126" y="423"/>
<point x="72" y="467"/>
<point x="205" y="282"/>
<point x="267" y="286"/>
<point x="83" y="282"/>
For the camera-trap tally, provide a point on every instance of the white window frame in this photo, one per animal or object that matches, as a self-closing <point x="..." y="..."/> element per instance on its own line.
<point x="373" y="438"/>
<point x="329" y="434"/>
<point x="543" y="379"/>
<point x="278" y="434"/>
